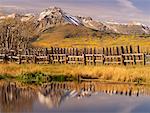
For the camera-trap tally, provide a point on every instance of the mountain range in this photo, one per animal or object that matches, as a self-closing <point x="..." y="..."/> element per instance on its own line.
<point x="54" y="17"/>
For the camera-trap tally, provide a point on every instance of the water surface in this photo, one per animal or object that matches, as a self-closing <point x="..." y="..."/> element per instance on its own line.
<point x="74" y="97"/>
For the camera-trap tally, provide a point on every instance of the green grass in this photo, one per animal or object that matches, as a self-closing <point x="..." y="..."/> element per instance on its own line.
<point x="40" y="78"/>
<point x="5" y="76"/>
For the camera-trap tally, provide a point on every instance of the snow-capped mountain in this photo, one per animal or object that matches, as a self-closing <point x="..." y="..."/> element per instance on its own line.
<point x="55" y="16"/>
<point x="128" y="28"/>
<point x="25" y="17"/>
<point x="90" y="23"/>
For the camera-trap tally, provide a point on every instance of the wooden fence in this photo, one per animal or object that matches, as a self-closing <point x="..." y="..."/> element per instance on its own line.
<point x="94" y="56"/>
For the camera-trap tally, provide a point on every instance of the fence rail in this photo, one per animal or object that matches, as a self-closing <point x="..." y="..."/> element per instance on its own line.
<point x="86" y="56"/>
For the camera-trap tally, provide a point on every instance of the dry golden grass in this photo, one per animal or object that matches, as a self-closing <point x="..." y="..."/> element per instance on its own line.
<point x="81" y="42"/>
<point x="114" y="73"/>
<point x="70" y="36"/>
<point x="83" y="37"/>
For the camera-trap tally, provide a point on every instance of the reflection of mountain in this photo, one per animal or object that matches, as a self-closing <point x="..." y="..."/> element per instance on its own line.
<point x="53" y="94"/>
<point x="51" y="99"/>
<point x="15" y="99"/>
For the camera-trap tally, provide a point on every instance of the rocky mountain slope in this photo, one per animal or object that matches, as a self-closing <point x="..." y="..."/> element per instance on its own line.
<point x="130" y="28"/>
<point x="55" y="16"/>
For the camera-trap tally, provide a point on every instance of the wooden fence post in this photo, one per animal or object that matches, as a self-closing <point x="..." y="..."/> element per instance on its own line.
<point x="48" y="58"/>
<point x="122" y="57"/>
<point x="94" y="58"/>
<point x="117" y="49"/>
<point x="107" y="51"/>
<point x="20" y="59"/>
<point x="122" y="60"/>
<point x="64" y="50"/>
<point x="138" y="49"/>
<point x="58" y="56"/>
<point x="104" y="51"/>
<point x="122" y="50"/>
<point x="52" y="59"/>
<point x="131" y="49"/>
<point x="127" y="51"/>
<point x="73" y="51"/>
<point x="66" y="59"/>
<point x="77" y="52"/>
<point x="110" y="51"/>
<point x="134" y="58"/>
<point x="84" y="56"/>
<point x="103" y="59"/>
<point x="5" y="59"/>
<point x="95" y="51"/>
<point x="52" y="50"/>
<point x="35" y="59"/>
<point x="144" y="59"/>
<point x="46" y="51"/>
<point x="27" y="59"/>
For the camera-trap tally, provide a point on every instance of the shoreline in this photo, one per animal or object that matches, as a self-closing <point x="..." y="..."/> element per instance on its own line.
<point x="113" y="73"/>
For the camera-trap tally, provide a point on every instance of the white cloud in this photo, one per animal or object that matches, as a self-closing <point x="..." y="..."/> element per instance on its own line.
<point x="127" y="5"/>
<point x="131" y="13"/>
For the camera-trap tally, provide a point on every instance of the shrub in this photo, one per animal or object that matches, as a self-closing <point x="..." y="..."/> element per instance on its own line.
<point x="36" y="78"/>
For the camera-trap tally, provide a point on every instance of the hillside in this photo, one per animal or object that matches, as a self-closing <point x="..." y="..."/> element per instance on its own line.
<point x="68" y="35"/>
<point x="75" y="36"/>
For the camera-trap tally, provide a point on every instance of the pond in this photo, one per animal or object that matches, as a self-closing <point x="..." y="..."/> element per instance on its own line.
<point x="74" y="97"/>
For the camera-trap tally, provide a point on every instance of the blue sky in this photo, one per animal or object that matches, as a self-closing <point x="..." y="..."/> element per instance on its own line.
<point x="105" y="10"/>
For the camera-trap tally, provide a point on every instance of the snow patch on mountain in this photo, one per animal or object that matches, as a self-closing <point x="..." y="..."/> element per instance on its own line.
<point x="72" y="19"/>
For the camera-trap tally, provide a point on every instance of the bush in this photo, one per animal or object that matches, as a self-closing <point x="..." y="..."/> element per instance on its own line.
<point x="36" y="78"/>
<point x="2" y="77"/>
<point x="39" y="78"/>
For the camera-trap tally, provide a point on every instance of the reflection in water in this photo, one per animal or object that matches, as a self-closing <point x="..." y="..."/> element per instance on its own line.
<point x="14" y="98"/>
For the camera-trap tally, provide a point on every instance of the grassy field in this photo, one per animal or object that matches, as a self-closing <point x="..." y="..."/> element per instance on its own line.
<point x="92" y="42"/>
<point x="103" y="72"/>
<point x="73" y="36"/>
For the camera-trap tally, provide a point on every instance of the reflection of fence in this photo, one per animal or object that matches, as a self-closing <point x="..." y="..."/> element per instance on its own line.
<point x="15" y="99"/>
<point x="113" y="55"/>
<point x="122" y="89"/>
